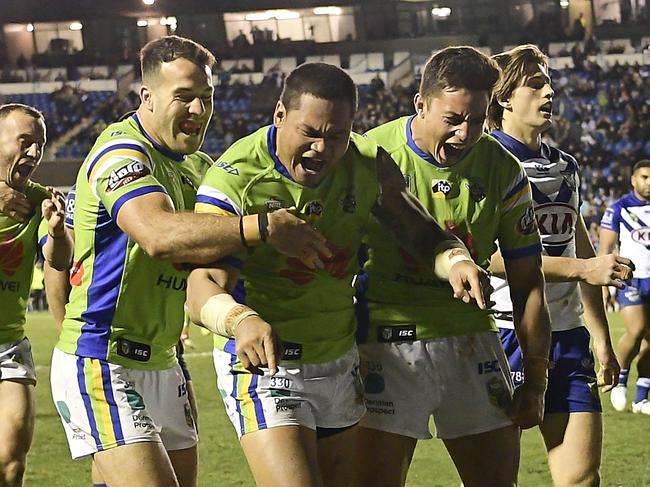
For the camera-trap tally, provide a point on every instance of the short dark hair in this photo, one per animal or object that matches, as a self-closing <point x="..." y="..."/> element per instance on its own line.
<point x="457" y="68"/>
<point x="643" y="163"/>
<point x="515" y="64"/>
<point x="168" y="49"/>
<point x="320" y="80"/>
<point x="8" y="108"/>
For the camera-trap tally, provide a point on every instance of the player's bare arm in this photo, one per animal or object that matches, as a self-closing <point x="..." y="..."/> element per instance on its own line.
<point x="414" y="227"/>
<point x="605" y="270"/>
<point x="201" y="238"/>
<point x="14" y="203"/>
<point x="210" y="306"/>
<point x="59" y="246"/>
<point x="595" y="317"/>
<point x="533" y="328"/>
<point x="608" y="239"/>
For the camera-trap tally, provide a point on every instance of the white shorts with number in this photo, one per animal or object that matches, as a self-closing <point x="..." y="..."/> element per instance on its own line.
<point x="327" y="395"/>
<point x="463" y="382"/>
<point x="16" y="361"/>
<point x="104" y="405"/>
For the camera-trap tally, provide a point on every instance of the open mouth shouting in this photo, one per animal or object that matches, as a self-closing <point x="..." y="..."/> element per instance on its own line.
<point x="190" y="127"/>
<point x="547" y="109"/>
<point x="453" y="152"/>
<point x="20" y="172"/>
<point x="312" y="165"/>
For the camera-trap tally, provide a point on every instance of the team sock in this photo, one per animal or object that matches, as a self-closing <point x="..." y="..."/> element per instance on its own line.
<point x="622" y="377"/>
<point x="100" y="485"/>
<point x="642" y="388"/>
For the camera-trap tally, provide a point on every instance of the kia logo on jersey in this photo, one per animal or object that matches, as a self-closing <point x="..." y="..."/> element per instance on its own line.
<point x="642" y="236"/>
<point x="556" y="222"/>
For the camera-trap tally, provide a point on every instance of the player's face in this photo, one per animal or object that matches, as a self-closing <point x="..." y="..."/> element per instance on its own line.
<point x="641" y="183"/>
<point x="531" y="103"/>
<point x="452" y="121"/>
<point x="181" y="105"/>
<point x="22" y="138"/>
<point x="313" y="137"/>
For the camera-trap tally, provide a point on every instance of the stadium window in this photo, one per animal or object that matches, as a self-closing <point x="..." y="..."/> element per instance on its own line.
<point x="58" y="36"/>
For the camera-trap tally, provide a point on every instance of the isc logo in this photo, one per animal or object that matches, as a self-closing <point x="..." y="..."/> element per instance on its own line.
<point x="641" y="235"/>
<point x="488" y="367"/>
<point x="407" y="333"/>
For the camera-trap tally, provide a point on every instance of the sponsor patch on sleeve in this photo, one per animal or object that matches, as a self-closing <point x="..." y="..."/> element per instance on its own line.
<point x="132" y="171"/>
<point x="527" y="224"/>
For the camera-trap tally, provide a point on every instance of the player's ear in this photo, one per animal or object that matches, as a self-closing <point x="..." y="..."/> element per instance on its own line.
<point x="505" y="104"/>
<point x="146" y="98"/>
<point x="418" y="102"/>
<point x="280" y="114"/>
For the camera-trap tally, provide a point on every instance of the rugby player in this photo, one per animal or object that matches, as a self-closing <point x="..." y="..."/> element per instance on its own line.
<point x="295" y="413"/>
<point x="115" y="379"/>
<point x="520" y="112"/>
<point x="22" y="138"/>
<point x="625" y="223"/>
<point x="425" y="354"/>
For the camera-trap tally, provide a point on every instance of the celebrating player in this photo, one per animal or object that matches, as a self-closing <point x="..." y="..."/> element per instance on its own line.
<point x="115" y="379"/>
<point x="625" y="223"/>
<point x="22" y="138"/>
<point x="520" y="113"/>
<point x="287" y="365"/>
<point x="427" y="355"/>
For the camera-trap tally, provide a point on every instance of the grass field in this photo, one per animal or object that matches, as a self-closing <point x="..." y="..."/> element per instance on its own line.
<point x="626" y="456"/>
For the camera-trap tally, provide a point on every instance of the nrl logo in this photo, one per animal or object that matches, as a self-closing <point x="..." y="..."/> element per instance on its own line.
<point x="348" y="203"/>
<point x="441" y="186"/>
<point x="476" y="191"/>
<point x="387" y="333"/>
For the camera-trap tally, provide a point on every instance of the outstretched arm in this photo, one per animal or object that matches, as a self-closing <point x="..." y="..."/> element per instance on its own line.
<point x="415" y="228"/>
<point x="59" y="247"/>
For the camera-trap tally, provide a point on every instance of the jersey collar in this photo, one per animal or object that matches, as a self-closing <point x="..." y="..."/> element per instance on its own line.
<point x="271" y="144"/>
<point x="520" y="150"/>
<point x="411" y="143"/>
<point x="164" y="151"/>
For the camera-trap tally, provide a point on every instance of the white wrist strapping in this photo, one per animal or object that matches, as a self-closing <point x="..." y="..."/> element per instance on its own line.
<point x="221" y="314"/>
<point x="446" y="259"/>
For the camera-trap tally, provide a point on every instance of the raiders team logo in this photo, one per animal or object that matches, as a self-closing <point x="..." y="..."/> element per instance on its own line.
<point x="441" y="186"/>
<point x="348" y="203"/>
<point x="314" y="208"/>
<point x="124" y="175"/>
<point x="527" y="223"/>
<point x="274" y="204"/>
<point x="476" y="191"/>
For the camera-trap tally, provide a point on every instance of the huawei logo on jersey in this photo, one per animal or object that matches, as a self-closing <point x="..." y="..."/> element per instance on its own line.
<point x="556" y="222"/>
<point x="11" y="255"/>
<point x="336" y="266"/>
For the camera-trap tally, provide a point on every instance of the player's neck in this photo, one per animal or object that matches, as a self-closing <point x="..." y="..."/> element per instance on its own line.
<point x="419" y="137"/>
<point x="146" y="122"/>
<point x="639" y="197"/>
<point x="531" y="137"/>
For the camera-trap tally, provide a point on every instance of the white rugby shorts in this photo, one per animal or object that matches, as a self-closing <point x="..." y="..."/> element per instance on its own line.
<point x="16" y="361"/>
<point x="326" y="395"/>
<point x="104" y="405"/>
<point x="462" y="382"/>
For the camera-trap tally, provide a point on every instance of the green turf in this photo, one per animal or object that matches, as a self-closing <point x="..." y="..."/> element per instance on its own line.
<point x="626" y="453"/>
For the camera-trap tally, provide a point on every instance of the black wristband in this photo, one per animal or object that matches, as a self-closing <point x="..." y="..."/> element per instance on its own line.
<point x="263" y="225"/>
<point x="241" y="232"/>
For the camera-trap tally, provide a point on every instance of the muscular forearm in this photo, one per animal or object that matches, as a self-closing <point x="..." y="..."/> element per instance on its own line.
<point x="57" y="289"/>
<point x="58" y="251"/>
<point x="595" y="316"/>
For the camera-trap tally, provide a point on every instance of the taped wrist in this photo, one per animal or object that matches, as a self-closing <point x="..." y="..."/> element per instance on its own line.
<point x="445" y="259"/>
<point x="221" y="314"/>
<point x="536" y="372"/>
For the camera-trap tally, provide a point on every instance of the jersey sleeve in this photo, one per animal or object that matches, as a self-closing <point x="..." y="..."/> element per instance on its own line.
<point x="612" y="219"/>
<point x="518" y="233"/>
<point x="41" y="235"/>
<point x="69" y="208"/>
<point x="220" y="194"/>
<point x="120" y="170"/>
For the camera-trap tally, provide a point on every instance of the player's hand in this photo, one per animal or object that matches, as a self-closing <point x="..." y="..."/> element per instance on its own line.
<point x="54" y="213"/>
<point x="470" y="282"/>
<point x="294" y="237"/>
<point x="527" y="408"/>
<point x="14" y="204"/>
<point x="608" y="299"/>
<point x="607" y="376"/>
<point x="257" y="345"/>
<point x="608" y="270"/>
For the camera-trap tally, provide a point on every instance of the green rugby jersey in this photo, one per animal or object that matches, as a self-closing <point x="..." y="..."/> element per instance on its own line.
<point x="483" y="198"/>
<point x="18" y="247"/>
<point x="311" y="310"/>
<point x="126" y="307"/>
